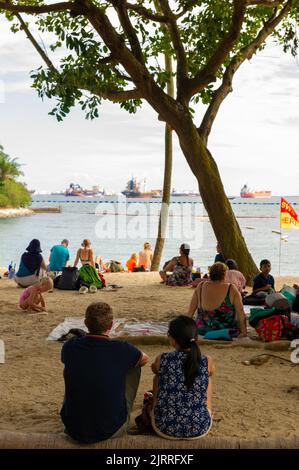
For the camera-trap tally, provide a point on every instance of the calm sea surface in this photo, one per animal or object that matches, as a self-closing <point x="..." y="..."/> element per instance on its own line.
<point x="118" y="227"/>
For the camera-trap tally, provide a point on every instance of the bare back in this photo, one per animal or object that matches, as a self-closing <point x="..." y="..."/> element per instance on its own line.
<point x="212" y="294"/>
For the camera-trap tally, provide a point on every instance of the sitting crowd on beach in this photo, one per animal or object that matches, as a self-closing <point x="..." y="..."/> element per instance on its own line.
<point x="102" y="374"/>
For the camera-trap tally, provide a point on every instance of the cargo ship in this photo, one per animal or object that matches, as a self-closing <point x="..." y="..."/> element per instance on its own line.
<point x="248" y="193"/>
<point x="133" y="189"/>
<point x="175" y="193"/>
<point x="77" y="190"/>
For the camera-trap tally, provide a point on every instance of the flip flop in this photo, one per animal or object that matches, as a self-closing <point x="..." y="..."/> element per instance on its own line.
<point x="83" y="290"/>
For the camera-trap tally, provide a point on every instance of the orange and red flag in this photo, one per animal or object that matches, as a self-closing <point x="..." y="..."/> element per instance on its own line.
<point x="288" y="217"/>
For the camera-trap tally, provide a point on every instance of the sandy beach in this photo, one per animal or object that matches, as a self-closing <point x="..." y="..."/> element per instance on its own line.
<point x="248" y="401"/>
<point x="14" y="212"/>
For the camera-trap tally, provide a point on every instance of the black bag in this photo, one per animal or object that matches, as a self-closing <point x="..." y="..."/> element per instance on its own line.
<point x="253" y="300"/>
<point x="296" y="304"/>
<point x="140" y="269"/>
<point x="69" y="279"/>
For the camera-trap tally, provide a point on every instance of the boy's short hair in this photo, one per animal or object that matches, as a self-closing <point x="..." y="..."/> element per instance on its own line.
<point x="47" y="281"/>
<point x="98" y="317"/>
<point x="264" y="261"/>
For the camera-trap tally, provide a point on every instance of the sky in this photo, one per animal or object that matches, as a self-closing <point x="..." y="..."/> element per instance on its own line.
<point x="254" y="139"/>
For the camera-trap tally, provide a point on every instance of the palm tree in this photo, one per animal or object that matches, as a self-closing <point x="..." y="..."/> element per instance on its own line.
<point x="9" y="167"/>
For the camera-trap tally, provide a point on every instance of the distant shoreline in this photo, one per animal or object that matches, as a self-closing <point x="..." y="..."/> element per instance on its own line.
<point x="11" y="212"/>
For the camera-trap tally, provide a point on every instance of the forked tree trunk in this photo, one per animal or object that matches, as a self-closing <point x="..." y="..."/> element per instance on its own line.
<point x="163" y="217"/>
<point x="218" y="207"/>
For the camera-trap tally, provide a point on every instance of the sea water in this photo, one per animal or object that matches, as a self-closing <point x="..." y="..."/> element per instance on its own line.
<point x="118" y="227"/>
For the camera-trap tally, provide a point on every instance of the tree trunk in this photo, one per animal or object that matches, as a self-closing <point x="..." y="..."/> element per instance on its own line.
<point x="218" y="207"/>
<point x="163" y="218"/>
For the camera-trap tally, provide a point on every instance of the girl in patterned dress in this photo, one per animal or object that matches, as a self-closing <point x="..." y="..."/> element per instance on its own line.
<point x="182" y="385"/>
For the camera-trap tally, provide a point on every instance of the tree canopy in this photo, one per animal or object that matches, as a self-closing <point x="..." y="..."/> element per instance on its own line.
<point x="12" y="192"/>
<point x="113" y="49"/>
<point x="10" y="168"/>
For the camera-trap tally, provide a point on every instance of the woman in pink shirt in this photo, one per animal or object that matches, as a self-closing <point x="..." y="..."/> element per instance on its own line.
<point x="233" y="276"/>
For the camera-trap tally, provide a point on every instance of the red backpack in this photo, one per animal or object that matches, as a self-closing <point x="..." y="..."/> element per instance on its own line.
<point x="272" y="328"/>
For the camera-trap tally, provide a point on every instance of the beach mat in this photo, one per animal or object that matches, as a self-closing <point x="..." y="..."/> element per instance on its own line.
<point x="122" y="327"/>
<point x="19" y="440"/>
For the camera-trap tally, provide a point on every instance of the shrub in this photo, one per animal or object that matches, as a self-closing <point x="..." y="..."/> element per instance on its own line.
<point x="14" y="194"/>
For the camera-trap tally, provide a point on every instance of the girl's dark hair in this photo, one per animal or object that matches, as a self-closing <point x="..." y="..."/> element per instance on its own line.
<point x="184" y="331"/>
<point x="231" y="264"/>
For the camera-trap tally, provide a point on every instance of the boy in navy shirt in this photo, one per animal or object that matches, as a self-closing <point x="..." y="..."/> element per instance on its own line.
<point x="101" y="378"/>
<point x="263" y="282"/>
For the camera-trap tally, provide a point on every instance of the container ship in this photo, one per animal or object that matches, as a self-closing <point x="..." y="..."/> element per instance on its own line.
<point x="133" y="189"/>
<point x="77" y="190"/>
<point x="248" y="193"/>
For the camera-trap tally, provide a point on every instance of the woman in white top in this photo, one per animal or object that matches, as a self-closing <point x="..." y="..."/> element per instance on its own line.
<point x="85" y="254"/>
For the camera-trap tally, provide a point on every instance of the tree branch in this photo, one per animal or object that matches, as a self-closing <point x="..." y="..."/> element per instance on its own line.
<point x="35" y="44"/>
<point x="264" y="3"/>
<point x="122" y="11"/>
<point x="208" y="73"/>
<point x="163" y="104"/>
<point x="35" y="9"/>
<point x="182" y="65"/>
<point x="246" y="53"/>
<point x="186" y="8"/>
<point x="147" y="14"/>
<point x="114" y="96"/>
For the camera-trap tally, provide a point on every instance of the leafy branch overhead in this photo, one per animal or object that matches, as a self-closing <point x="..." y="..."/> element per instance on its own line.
<point x="114" y="49"/>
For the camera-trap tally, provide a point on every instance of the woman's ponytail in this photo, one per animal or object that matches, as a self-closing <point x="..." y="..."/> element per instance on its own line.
<point x="192" y="363"/>
<point x="184" y="331"/>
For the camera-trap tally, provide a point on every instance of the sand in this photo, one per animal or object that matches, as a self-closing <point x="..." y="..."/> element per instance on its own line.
<point x="248" y="401"/>
<point x="9" y="213"/>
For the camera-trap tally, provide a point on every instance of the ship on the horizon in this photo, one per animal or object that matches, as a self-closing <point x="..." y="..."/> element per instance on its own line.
<point x="77" y="190"/>
<point x="249" y="193"/>
<point x="175" y="193"/>
<point x="133" y="189"/>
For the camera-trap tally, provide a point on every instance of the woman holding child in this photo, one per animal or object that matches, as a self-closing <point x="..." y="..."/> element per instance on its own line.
<point x="32" y="265"/>
<point x="218" y="304"/>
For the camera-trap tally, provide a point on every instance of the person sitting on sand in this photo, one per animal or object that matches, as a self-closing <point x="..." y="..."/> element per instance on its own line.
<point x="59" y="256"/>
<point x="219" y="258"/>
<point x="263" y="283"/>
<point x="101" y="378"/>
<point x="218" y="304"/>
<point x="100" y="265"/>
<point x="32" y="265"/>
<point x="32" y="299"/>
<point x="180" y="267"/>
<point x="182" y="391"/>
<point x="132" y="262"/>
<point x="146" y="257"/>
<point x="234" y="276"/>
<point x="85" y="254"/>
